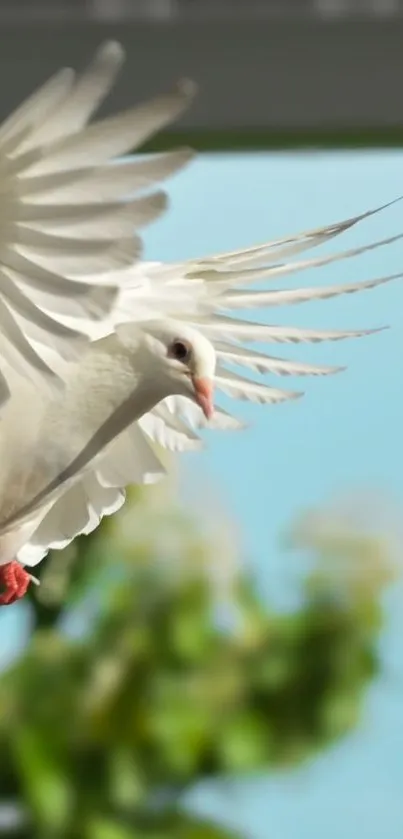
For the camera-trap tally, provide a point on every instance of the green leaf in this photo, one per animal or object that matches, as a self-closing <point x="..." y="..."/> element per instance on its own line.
<point x="126" y="785"/>
<point x="192" y="827"/>
<point x="191" y="631"/>
<point x="244" y="743"/>
<point x="103" y="828"/>
<point x="180" y="731"/>
<point x="46" y="782"/>
<point x="341" y="713"/>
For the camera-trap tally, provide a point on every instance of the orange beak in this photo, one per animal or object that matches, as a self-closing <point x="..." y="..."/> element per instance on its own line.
<point x="204" y="390"/>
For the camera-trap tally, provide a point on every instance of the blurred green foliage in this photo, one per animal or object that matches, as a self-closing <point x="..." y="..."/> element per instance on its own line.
<point x="101" y="734"/>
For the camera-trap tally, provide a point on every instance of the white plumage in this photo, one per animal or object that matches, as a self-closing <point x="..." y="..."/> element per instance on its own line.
<point x="68" y="214"/>
<point x="126" y="396"/>
<point x="198" y="295"/>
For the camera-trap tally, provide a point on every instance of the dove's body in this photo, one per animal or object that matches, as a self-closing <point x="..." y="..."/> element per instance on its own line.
<point x="48" y="444"/>
<point x="41" y="436"/>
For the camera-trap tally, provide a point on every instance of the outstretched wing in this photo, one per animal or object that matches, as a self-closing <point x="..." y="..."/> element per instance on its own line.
<point x="128" y="460"/>
<point x="207" y="294"/>
<point x="69" y="211"/>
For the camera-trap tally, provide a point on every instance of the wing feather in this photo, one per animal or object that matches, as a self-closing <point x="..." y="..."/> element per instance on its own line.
<point x="128" y="460"/>
<point x="68" y="208"/>
<point x="207" y="293"/>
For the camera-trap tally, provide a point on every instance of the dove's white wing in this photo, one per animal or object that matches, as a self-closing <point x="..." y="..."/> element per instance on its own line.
<point x="69" y="211"/>
<point x="206" y="294"/>
<point x="101" y="492"/>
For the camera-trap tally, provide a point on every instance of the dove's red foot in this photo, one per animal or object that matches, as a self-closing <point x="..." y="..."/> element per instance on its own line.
<point x="15" y="581"/>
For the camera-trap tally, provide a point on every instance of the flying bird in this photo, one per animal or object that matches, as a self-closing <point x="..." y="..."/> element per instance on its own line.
<point x="68" y="214"/>
<point x="147" y="378"/>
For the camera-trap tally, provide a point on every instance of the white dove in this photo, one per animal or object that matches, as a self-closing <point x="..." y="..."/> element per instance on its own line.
<point x="69" y="211"/>
<point x="147" y="378"/>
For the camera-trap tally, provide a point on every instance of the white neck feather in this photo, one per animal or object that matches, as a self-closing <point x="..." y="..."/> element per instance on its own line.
<point x="108" y="375"/>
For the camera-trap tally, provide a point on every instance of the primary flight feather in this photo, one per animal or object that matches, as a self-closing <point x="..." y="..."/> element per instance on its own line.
<point x="69" y="211"/>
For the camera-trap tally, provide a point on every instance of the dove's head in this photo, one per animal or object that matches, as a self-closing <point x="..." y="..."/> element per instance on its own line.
<point x="183" y="359"/>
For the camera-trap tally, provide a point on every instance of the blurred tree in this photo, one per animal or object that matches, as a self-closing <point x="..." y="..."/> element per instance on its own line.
<point x="101" y="734"/>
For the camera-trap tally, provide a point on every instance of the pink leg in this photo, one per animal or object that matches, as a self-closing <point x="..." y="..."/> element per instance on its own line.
<point x="15" y="581"/>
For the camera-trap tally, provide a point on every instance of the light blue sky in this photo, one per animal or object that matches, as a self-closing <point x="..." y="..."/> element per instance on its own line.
<point x="345" y="433"/>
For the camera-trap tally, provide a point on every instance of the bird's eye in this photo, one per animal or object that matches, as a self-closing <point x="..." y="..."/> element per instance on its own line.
<point x="180" y="350"/>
